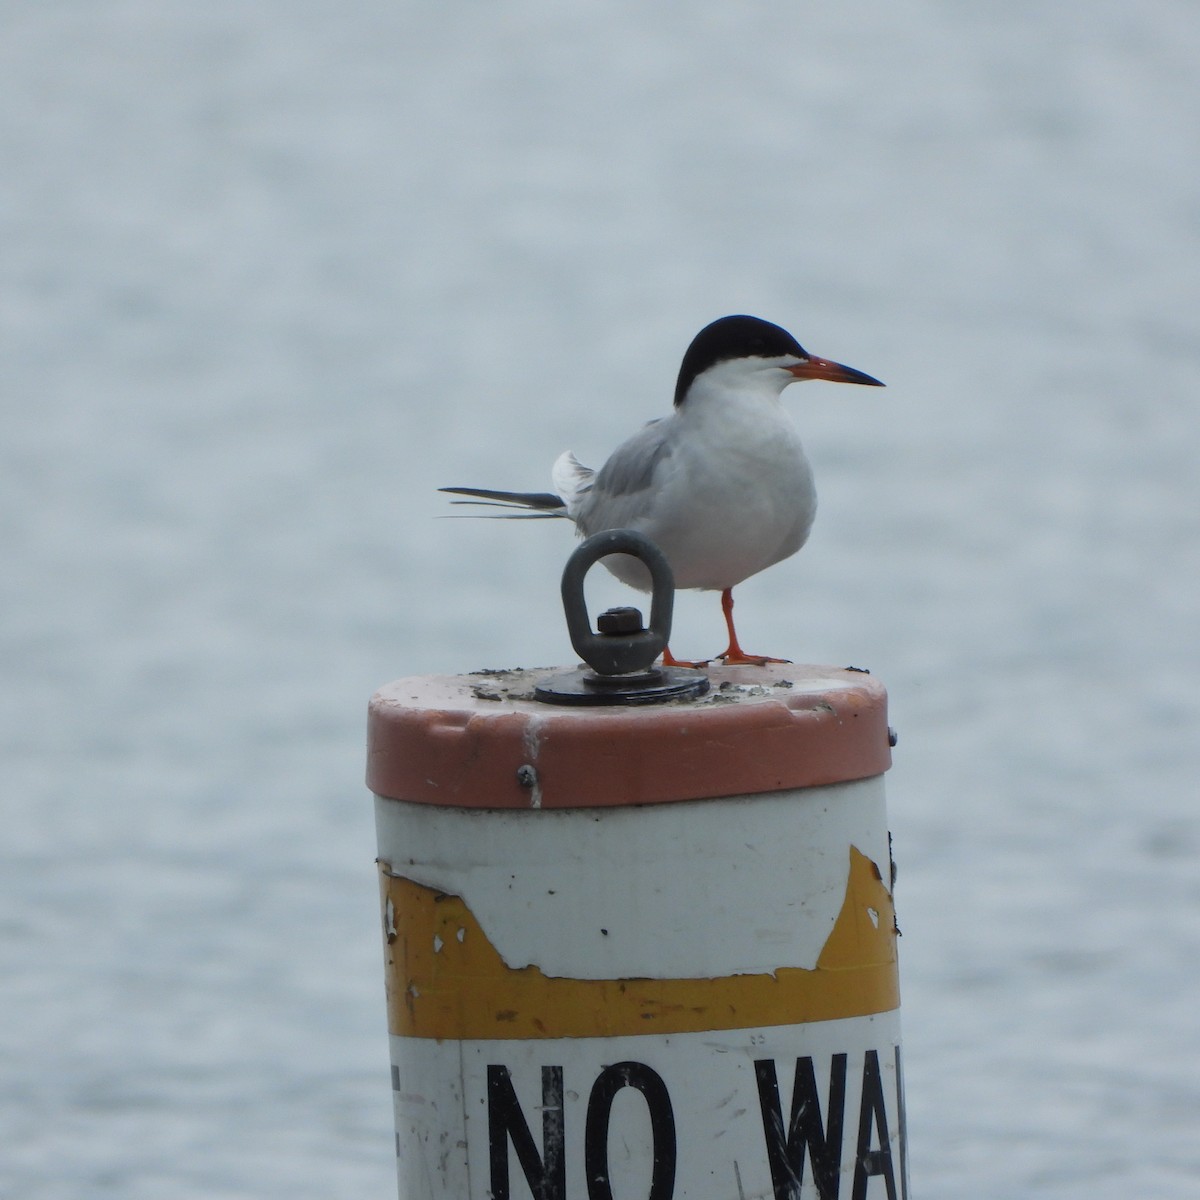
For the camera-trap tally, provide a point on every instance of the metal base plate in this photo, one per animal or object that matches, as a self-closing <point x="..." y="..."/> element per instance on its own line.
<point x="654" y="686"/>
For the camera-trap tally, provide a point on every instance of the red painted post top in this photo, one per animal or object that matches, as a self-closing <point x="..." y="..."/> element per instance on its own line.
<point x="482" y="741"/>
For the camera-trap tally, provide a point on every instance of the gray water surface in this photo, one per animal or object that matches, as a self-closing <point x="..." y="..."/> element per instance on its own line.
<point x="271" y="273"/>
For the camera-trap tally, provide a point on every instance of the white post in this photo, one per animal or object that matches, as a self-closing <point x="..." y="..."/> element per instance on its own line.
<point x="640" y="952"/>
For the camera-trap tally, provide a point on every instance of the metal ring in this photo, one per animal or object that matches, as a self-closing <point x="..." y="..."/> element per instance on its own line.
<point x="618" y="654"/>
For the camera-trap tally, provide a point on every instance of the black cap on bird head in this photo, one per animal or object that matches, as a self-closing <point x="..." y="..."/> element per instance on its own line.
<point x="750" y="337"/>
<point x="734" y="337"/>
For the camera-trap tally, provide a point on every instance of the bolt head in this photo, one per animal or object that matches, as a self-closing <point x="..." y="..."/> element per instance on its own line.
<point x="620" y="621"/>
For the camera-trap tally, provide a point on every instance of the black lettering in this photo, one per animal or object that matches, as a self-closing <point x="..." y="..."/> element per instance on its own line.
<point x="662" y="1129"/>
<point x="902" y="1120"/>
<point x="546" y="1173"/>
<point x="805" y="1129"/>
<point x="872" y="1120"/>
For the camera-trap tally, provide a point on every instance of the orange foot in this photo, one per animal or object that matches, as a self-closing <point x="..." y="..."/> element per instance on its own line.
<point x="735" y="656"/>
<point x="669" y="660"/>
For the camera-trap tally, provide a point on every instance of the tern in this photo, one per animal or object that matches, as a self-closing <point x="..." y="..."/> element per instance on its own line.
<point x="722" y="486"/>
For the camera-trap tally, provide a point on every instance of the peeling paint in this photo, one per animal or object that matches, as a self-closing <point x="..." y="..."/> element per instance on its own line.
<point x="473" y="993"/>
<point x="675" y="885"/>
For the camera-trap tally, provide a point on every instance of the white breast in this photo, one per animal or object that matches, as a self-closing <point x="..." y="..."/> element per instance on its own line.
<point x="734" y="494"/>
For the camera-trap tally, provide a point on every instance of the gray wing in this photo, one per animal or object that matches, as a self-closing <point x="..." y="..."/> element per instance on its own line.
<point x="617" y="493"/>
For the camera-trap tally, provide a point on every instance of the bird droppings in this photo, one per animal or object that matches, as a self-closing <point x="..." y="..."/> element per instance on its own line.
<point x="511" y="684"/>
<point x="746" y="689"/>
<point x="505" y="683"/>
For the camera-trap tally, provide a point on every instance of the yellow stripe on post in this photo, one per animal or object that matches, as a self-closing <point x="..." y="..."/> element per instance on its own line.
<point x="445" y="978"/>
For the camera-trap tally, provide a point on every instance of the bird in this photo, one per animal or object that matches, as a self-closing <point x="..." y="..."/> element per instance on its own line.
<point x="721" y="485"/>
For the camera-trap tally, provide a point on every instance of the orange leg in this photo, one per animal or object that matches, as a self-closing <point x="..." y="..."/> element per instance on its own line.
<point x="735" y="655"/>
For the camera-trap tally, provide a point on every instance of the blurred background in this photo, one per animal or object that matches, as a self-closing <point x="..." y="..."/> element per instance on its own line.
<point x="272" y="273"/>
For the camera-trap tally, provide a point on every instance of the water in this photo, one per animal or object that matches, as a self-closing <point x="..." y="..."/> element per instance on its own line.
<point x="272" y="273"/>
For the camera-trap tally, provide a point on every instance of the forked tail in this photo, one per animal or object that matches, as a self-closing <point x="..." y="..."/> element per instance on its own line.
<point x="529" y="505"/>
